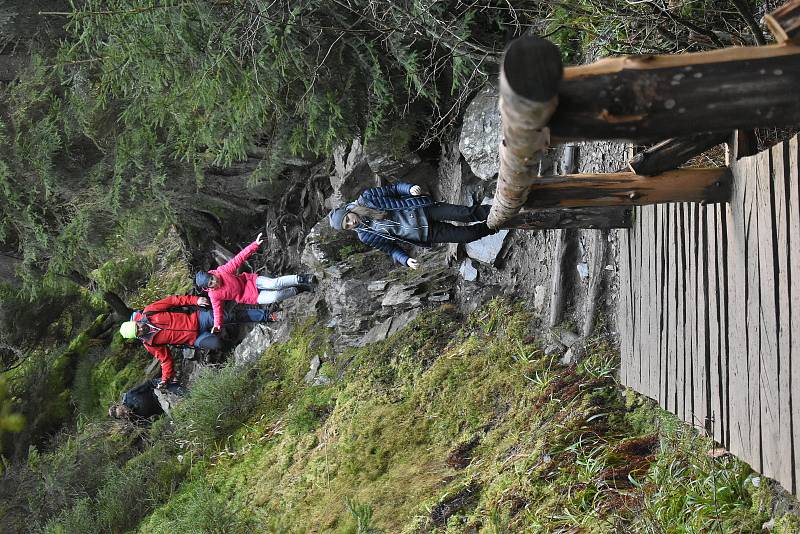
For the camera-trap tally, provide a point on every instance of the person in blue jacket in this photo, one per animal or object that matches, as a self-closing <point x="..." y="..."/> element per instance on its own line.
<point x="387" y="217"/>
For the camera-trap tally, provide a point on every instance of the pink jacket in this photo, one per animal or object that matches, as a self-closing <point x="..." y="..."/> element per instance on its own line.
<point x="238" y="287"/>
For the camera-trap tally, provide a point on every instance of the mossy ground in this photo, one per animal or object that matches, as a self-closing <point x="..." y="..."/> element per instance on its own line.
<point x="456" y="425"/>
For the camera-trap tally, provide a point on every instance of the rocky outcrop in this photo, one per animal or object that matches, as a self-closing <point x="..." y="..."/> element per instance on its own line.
<point x="481" y="133"/>
<point x="366" y="297"/>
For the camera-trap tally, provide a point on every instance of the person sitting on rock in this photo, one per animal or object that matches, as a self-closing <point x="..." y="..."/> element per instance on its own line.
<point x="384" y="217"/>
<point x="224" y="284"/>
<point x="160" y="325"/>
<point x="140" y="403"/>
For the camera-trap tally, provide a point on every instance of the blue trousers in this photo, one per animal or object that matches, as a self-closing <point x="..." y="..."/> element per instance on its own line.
<point x="205" y="321"/>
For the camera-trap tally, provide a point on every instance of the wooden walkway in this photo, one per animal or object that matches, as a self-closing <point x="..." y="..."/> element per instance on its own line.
<point x="709" y="313"/>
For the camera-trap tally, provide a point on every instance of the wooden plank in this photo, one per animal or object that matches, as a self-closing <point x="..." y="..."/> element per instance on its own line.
<point x="784" y="471"/>
<point x="737" y="327"/>
<point x="644" y="301"/>
<point x="691" y="315"/>
<point x="703" y="380"/>
<point x="793" y="184"/>
<point x="716" y="386"/>
<point x="622" y="306"/>
<point x="752" y="304"/>
<point x="672" y="307"/>
<point x="724" y="320"/>
<point x="663" y="286"/>
<point x="637" y="310"/>
<point x="652" y="308"/>
<point x="680" y="330"/>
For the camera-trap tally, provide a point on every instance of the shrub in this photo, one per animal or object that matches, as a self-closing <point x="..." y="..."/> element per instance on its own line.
<point x="218" y="403"/>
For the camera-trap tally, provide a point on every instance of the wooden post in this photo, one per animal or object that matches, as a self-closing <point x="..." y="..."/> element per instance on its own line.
<point x="601" y="218"/>
<point x="673" y="153"/>
<point x="529" y="78"/>
<point x="628" y="189"/>
<point x="595" y="281"/>
<point x="784" y="22"/>
<point x="652" y="98"/>
<point x="557" y="289"/>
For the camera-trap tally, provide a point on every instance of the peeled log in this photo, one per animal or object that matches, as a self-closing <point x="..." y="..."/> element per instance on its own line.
<point x="628" y="189"/>
<point x="529" y="79"/>
<point x="784" y="22"/>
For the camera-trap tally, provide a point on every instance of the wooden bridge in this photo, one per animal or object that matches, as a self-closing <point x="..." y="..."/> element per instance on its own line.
<point x="709" y="313"/>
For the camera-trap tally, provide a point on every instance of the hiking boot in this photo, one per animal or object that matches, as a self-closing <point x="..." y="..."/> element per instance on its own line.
<point x="306" y="279"/>
<point x="271" y="317"/>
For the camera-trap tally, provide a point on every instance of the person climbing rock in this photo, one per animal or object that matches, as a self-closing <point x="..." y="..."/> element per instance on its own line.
<point x="140" y="403"/>
<point x="385" y="217"/>
<point x="160" y="325"/>
<point x="224" y="284"/>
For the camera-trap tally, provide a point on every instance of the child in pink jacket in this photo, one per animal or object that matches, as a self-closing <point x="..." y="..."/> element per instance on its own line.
<point x="224" y="284"/>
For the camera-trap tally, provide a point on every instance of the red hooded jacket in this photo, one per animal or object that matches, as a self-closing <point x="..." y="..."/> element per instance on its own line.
<point x="177" y="328"/>
<point x="237" y="287"/>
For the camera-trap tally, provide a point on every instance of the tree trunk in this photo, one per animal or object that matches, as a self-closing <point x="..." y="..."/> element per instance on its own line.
<point x="121" y="310"/>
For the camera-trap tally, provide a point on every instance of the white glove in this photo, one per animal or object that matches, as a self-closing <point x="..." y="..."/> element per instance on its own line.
<point x="416" y="190"/>
<point x="412" y="263"/>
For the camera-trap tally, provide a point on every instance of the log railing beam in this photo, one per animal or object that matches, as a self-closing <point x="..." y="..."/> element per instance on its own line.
<point x="628" y="189"/>
<point x="673" y="153"/>
<point x="599" y="218"/>
<point x="652" y="98"/>
<point x="784" y="23"/>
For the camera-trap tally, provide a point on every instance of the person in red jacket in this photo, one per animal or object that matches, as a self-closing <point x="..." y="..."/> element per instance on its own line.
<point x="160" y="325"/>
<point x="224" y="284"/>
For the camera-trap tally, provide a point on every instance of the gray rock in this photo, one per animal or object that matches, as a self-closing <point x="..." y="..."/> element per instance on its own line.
<point x="539" y="296"/>
<point x="568" y="357"/>
<point x="566" y="337"/>
<point x="313" y="369"/>
<point x="322" y="380"/>
<point x="481" y="133"/>
<point x="167" y="400"/>
<point x="352" y="173"/>
<point x="554" y="348"/>
<point x="401" y="294"/>
<point x="378" y="332"/>
<point x="258" y="340"/>
<point x="486" y="250"/>
<point x="377" y="285"/>
<point x="383" y="162"/>
<point x="468" y="271"/>
<point x="439" y="296"/>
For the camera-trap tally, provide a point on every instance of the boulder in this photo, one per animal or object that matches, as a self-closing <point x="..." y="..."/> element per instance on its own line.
<point x="258" y="340"/>
<point x="468" y="271"/>
<point x="487" y="249"/>
<point x="481" y="133"/>
<point x="384" y="162"/>
<point x="352" y="173"/>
